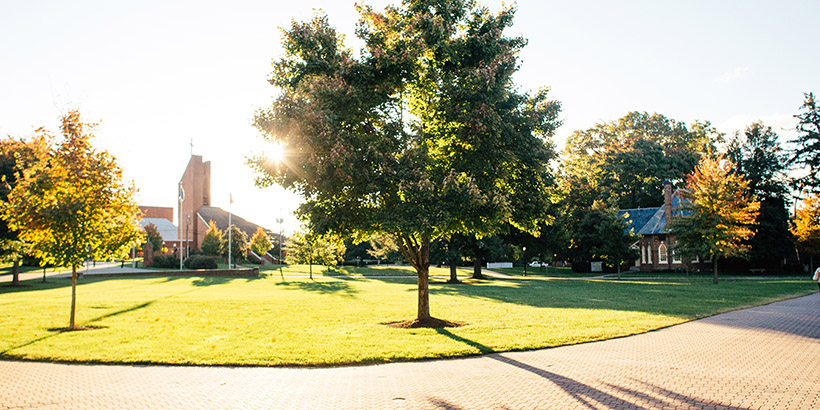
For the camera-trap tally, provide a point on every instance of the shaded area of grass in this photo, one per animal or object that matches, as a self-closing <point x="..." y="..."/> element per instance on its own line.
<point x="327" y="321"/>
<point x="548" y="271"/>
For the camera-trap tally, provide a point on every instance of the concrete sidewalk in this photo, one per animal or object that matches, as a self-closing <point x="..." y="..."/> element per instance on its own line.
<point x="766" y="357"/>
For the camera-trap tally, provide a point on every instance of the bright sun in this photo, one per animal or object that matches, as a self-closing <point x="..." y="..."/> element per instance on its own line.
<point x="276" y="153"/>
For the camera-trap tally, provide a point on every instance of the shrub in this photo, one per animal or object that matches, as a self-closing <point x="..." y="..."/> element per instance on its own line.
<point x="253" y="259"/>
<point x="581" y="266"/>
<point x="200" y="262"/>
<point x="166" y="261"/>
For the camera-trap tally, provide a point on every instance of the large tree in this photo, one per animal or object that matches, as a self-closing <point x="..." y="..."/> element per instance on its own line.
<point x="422" y="136"/>
<point x="718" y="214"/>
<point x="74" y="206"/>
<point x="16" y="155"/>
<point x="625" y="162"/>
<point x="806" y="153"/>
<point x="757" y="155"/>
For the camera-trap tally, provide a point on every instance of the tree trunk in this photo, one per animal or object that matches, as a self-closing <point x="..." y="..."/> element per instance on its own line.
<point x="453" y="274"/>
<point x="424" y="294"/>
<point x="73" y="296"/>
<point x="417" y="253"/>
<point x="619" y="270"/>
<point x="714" y="269"/>
<point x="15" y="273"/>
<point x="477" y="268"/>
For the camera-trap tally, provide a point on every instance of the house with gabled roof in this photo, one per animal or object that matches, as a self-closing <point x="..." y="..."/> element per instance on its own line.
<point x="656" y="246"/>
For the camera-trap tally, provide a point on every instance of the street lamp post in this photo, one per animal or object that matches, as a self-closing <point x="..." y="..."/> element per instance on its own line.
<point x="279" y="221"/>
<point x="524" y="254"/>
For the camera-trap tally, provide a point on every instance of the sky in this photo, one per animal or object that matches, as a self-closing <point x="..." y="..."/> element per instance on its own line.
<point x="161" y="75"/>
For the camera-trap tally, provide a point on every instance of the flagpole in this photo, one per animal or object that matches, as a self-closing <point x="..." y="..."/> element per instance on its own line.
<point x="230" y="262"/>
<point x="179" y="235"/>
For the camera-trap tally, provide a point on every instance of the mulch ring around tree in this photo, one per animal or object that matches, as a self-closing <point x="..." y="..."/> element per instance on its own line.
<point x="76" y="328"/>
<point x="431" y="323"/>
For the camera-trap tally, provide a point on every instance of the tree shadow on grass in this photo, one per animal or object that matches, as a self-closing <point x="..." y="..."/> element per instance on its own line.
<point x="681" y="299"/>
<point x="586" y="395"/>
<point x="335" y="287"/>
<point x="58" y="331"/>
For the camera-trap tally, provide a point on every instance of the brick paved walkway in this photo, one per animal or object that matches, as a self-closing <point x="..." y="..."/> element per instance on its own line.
<point x="762" y="358"/>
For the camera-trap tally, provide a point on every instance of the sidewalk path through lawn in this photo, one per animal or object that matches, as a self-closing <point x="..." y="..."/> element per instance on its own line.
<point x="766" y="357"/>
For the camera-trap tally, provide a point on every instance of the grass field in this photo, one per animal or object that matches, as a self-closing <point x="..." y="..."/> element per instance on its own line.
<point x="275" y="320"/>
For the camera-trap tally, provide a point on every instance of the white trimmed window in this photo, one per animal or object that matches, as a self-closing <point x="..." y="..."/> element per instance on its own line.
<point x="663" y="254"/>
<point x="676" y="257"/>
<point x="643" y="253"/>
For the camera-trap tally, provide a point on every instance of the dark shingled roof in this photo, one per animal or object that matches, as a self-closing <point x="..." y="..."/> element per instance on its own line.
<point x="651" y="221"/>
<point x="636" y="218"/>
<point x="220" y="218"/>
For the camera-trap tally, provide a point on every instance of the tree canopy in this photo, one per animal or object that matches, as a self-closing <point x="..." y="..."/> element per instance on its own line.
<point x="73" y="206"/>
<point x="718" y="213"/>
<point x="624" y="162"/>
<point x="758" y="156"/>
<point x="238" y="242"/>
<point x="212" y="243"/>
<point x="421" y="136"/>
<point x="806" y="224"/>
<point x="260" y="242"/>
<point x="307" y="247"/>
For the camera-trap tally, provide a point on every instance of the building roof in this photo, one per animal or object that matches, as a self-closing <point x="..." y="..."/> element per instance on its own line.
<point x="652" y="221"/>
<point x="165" y="227"/>
<point x="220" y="218"/>
<point x="636" y="218"/>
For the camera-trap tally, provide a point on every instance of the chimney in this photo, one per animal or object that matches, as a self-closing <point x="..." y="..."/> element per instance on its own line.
<point x="667" y="200"/>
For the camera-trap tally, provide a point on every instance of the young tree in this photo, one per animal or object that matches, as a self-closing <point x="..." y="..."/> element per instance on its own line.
<point x="238" y="243"/>
<point x="423" y="136"/>
<point x="601" y="235"/>
<point x="383" y="247"/>
<point x="806" y="153"/>
<point x="806" y="224"/>
<point x="308" y="248"/>
<point x="152" y="235"/>
<point x="718" y="214"/>
<point x="74" y="206"/>
<point x="260" y="242"/>
<point x="212" y="243"/>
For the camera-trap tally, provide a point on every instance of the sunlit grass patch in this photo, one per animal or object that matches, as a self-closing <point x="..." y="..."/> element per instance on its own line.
<point x="281" y="320"/>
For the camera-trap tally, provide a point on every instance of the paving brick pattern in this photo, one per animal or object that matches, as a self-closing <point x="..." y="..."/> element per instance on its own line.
<point x="762" y="358"/>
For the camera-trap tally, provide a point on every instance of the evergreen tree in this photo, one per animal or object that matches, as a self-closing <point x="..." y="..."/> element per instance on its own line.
<point x="806" y="153"/>
<point x="759" y="158"/>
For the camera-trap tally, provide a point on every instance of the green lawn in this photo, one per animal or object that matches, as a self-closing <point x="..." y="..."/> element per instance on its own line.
<point x="273" y="320"/>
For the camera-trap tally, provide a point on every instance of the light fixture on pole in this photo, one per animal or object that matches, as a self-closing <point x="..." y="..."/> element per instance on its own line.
<point x="279" y="221"/>
<point x="179" y="229"/>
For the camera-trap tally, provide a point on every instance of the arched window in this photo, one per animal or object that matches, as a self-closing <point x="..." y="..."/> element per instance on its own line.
<point x="643" y="253"/>
<point x="663" y="254"/>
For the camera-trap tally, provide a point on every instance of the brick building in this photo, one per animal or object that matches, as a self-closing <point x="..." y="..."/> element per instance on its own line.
<point x="656" y="245"/>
